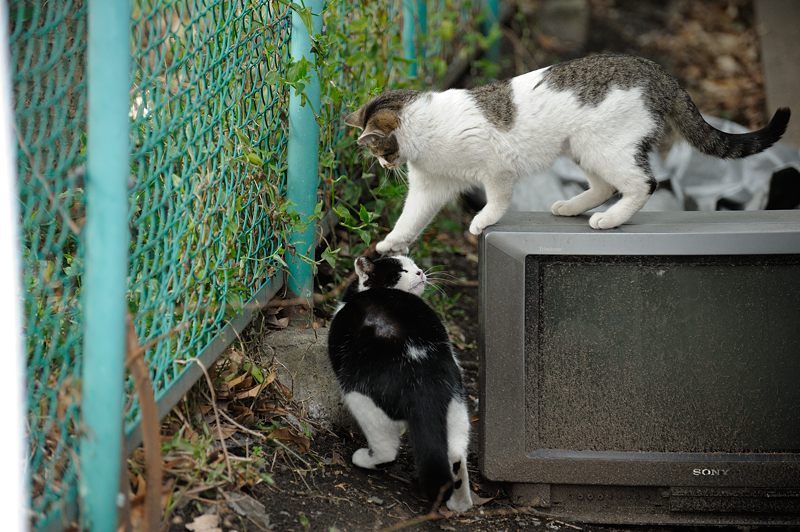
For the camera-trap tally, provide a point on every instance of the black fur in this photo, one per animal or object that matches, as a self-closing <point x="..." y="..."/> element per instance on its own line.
<point x="372" y="361"/>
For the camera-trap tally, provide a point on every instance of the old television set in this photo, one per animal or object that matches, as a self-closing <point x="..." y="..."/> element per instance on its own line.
<point x="648" y="374"/>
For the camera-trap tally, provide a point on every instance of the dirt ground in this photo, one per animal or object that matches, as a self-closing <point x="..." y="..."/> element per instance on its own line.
<point x="300" y="476"/>
<point x="329" y="493"/>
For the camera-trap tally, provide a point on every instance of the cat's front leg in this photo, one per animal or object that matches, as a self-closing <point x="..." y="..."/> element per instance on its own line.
<point x="422" y="203"/>
<point x="498" y="198"/>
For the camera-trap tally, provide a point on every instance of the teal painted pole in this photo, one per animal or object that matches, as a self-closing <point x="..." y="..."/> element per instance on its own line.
<point x="422" y="20"/>
<point x="492" y="9"/>
<point x="415" y="21"/>
<point x="104" y="281"/>
<point x="303" y="152"/>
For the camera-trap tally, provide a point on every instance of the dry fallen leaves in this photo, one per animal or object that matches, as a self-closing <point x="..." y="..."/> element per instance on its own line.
<point x="205" y="523"/>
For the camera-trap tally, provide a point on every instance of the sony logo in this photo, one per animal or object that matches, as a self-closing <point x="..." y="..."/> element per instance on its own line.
<point x="708" y="472"/>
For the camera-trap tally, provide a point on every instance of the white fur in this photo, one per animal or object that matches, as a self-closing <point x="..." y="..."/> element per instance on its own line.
<point x="412" y="279"/>
<point x="382" y="432"/>
<point x="383" y="438"/>
<point x="381" y="327"/>
<point x="416" y="352"/>
<point x="457" y="443"/>
<point x="450" y="146"/>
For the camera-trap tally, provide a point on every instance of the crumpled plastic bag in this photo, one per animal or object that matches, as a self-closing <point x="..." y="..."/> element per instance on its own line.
<point x="688" y="179"/>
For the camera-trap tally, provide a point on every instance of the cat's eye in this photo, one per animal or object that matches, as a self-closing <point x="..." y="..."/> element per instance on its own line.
<point x="404" y="271"/>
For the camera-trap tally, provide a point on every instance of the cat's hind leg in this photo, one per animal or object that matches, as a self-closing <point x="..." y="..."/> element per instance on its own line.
<point x="382" y="432"/>
<point x="457" y="442"/>
<point x="598" y="193"/>
<point x="636" y="184"/>
<point x="626" y="169"/>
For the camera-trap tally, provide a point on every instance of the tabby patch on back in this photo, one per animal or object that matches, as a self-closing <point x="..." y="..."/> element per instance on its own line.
<point x="604" y="111"/>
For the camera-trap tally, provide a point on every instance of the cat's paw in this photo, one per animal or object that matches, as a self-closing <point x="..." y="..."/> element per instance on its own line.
<point x="459" y="501"/>
<point x="604" y="220"/>
<point x="484" y="219"/>
<point x="477" y="226"/>
<point x="563" y="208"/>
<point x="392" y="247"/>
<point x="363" y="458"/>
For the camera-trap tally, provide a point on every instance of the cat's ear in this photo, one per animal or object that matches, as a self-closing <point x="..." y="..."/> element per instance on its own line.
<point x="364" y="267"/>
<point x="370" y="134"/>
<point x="356" y="118"/>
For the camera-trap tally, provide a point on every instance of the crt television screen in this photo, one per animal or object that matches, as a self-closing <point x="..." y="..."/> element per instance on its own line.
<point x="691" y="354"/>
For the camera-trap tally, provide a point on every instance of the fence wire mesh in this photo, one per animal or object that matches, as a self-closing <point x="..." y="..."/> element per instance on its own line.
<point x="208" y="218"/>
<point x="48" y="66"/>
<point x="207" y="213"/>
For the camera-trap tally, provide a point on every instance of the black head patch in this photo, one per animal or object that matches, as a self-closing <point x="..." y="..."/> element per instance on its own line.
<point x="381" y="273"/>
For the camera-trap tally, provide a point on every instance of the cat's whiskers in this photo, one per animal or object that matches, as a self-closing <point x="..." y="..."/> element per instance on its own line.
<point x="400" y="174"/>
<point x="442" y="275"/>
<point x="372" y="165"/>
<point x="439" y="280"/>
<point x="437" y="288"/>
<point x="434" y="283"/>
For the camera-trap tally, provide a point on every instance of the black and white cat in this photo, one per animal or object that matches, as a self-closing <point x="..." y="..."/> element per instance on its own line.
<point x="397" y="370"/>
<point x="606" y="111"/>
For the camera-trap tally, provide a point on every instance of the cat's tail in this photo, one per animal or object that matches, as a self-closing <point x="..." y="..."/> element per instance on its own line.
<point x="711" y="141"/>
<point x="428" y="431"/>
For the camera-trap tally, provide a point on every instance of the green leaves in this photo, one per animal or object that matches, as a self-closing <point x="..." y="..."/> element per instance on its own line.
<point x="329" y="256"/>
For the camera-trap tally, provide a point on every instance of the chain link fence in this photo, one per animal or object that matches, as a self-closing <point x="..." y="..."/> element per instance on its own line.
<point x="208" y="216"/>
<point x="49" y="71"/>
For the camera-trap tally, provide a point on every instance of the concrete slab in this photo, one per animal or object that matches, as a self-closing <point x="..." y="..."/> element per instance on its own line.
<point x="304" y="367"/>
<point x="778" y="26"/>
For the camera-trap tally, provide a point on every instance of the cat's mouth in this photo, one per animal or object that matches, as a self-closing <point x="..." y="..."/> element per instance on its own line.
<point x="396" y="163"/>
<point x="419" y="286"/>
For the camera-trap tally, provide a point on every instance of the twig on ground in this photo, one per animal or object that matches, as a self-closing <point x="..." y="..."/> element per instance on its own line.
<point x="435" y="516"/>
<point x="293" y="302"/>
<point x="265" y="438"/>
<point x="216" y="412"/>
<point x="430" y="516"/>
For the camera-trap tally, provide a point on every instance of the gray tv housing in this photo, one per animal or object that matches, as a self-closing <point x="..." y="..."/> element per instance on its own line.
<point x="648" y="374"/>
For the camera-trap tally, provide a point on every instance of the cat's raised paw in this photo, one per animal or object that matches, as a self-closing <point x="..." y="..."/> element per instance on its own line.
<point x="390" y="247"/>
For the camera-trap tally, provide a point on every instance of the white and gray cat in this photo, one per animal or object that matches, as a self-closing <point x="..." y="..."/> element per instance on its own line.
<point x="397" y="370"/>
<point x="605" y="111"/>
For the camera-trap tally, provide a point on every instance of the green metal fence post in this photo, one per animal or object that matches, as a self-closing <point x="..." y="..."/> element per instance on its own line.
<point x="107" y="238"/>
<point x="415" y="22"/>
<point x="492" y="11"/>
<point x="303" y="151"/>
